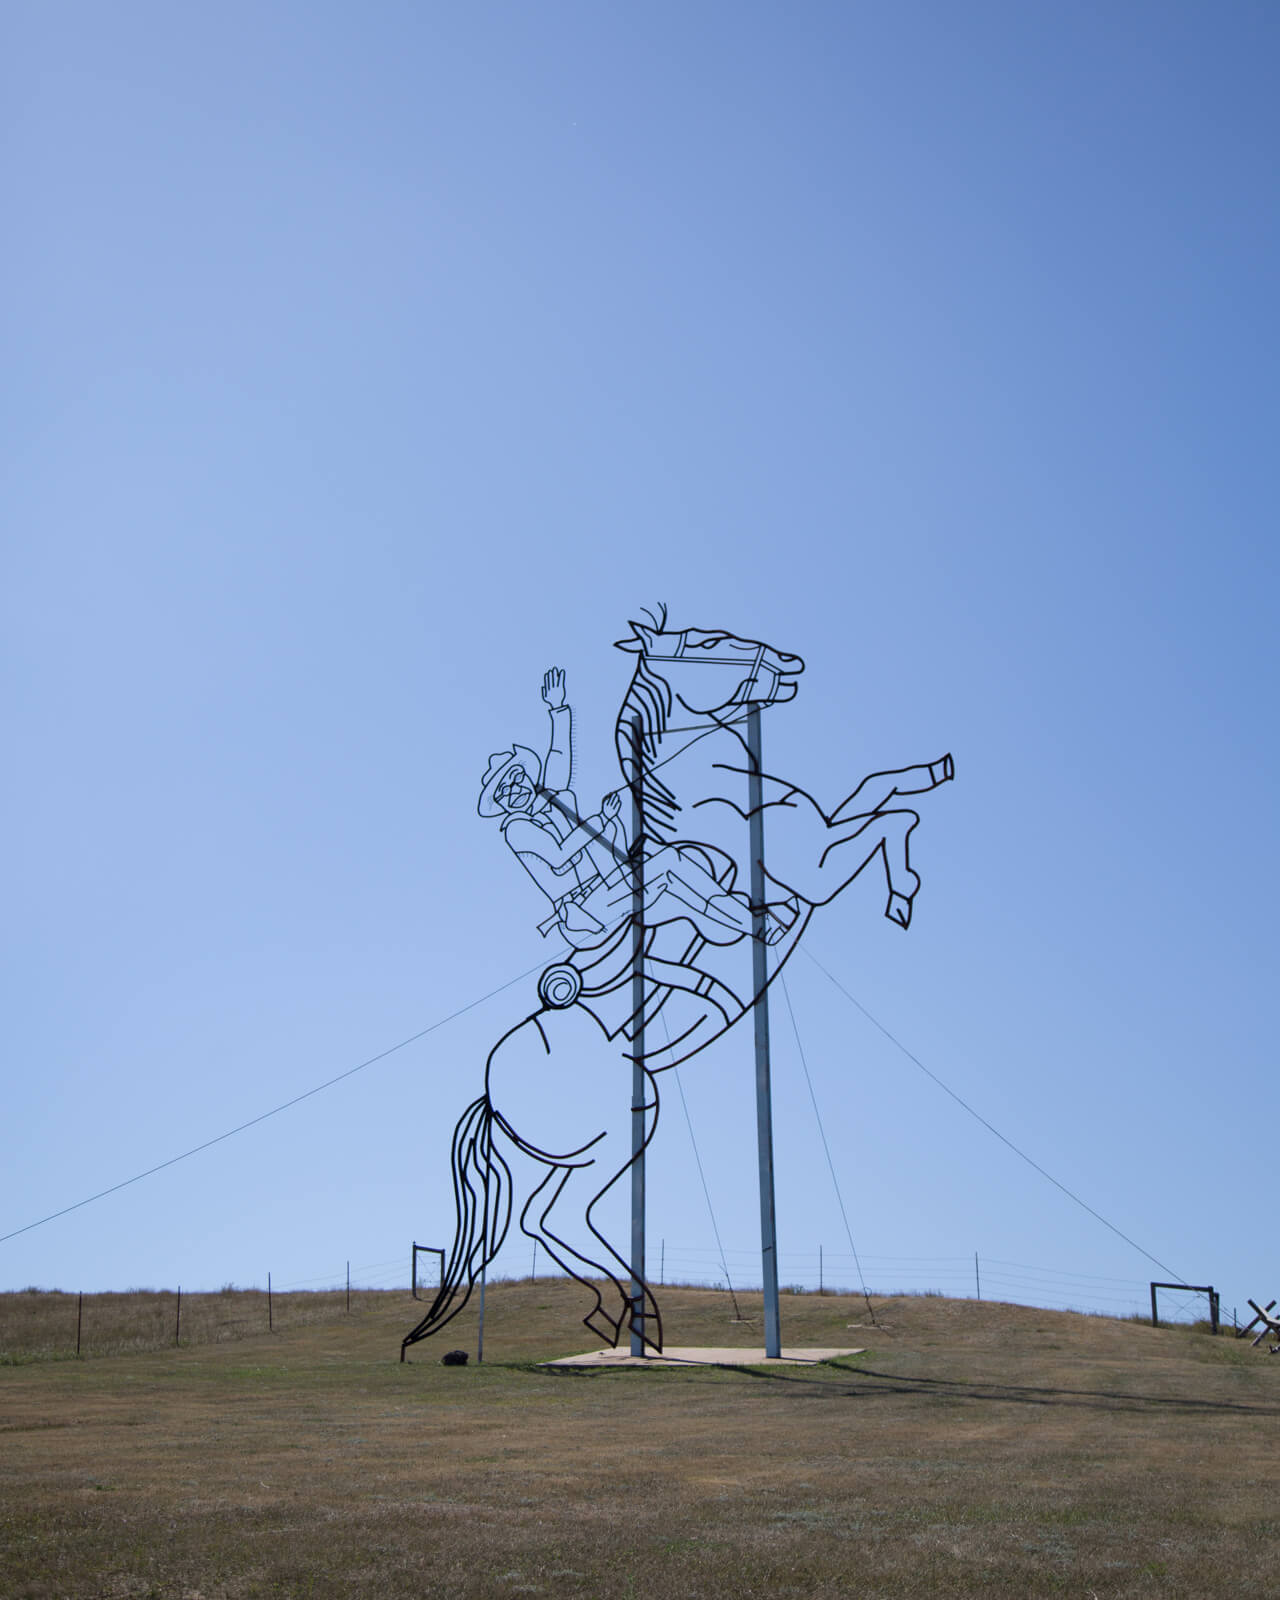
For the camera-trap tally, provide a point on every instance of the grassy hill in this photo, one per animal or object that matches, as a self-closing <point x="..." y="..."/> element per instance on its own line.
<point x="975" y="1449"/>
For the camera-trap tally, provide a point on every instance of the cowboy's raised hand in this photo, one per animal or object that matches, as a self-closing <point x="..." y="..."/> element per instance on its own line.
<point x="553" y="687"/>
<point x="610" y="806"/>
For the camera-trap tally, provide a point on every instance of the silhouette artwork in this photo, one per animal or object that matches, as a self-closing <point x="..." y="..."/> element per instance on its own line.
<point x="672" y="896"/>
<point x="583" y="866"/>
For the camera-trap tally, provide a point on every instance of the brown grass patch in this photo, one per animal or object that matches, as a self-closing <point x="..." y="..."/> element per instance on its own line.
<point x="976" y="1449"/>
<point x="42" y="1324"/>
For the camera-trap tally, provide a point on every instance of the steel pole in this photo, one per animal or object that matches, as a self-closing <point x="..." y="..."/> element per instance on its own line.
<point x="760" y="1010"/>
<point x="480" y="1329"/>
<point x="638" y="1076"/>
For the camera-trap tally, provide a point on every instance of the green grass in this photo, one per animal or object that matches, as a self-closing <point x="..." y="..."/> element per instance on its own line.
<point x="975" y="1449"/>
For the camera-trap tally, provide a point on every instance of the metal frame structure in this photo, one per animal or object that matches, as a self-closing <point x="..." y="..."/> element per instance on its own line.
<point x="1187" y="1288"/>
<point x="418" y="1249"/>
<point x="657" y="916"/>
<point x="1270" y="1325"/>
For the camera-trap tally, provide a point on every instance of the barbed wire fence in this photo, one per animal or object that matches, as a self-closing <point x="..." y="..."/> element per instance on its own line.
<point x="38" y="1323"/>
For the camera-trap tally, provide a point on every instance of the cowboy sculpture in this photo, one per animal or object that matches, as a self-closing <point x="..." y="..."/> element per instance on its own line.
<point x="661" y="911"/>
<point x="582" y="865"/>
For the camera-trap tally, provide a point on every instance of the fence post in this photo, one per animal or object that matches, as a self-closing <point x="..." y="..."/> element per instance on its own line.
<point x="271" y="1326"/>
<point x="819" y="1269"/>
<point x="177" y="1322"/>
<point x="79" y="1317"/>
<point x="977" y="1280"/>
<point x="1155" y="1320"/>
<point x="348" y="1288"/>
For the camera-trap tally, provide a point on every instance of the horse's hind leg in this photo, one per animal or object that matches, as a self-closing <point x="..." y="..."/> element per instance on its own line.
<point x="574" y="1260"/>
<point x="645" y="1319"/>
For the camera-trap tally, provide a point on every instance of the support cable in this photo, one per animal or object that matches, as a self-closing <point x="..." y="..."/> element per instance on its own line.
<point x="978" y="1117"/>
<point x="276" y="1110"/>
<point x="703" y="1177"/>
<point x="831" y="1166"/>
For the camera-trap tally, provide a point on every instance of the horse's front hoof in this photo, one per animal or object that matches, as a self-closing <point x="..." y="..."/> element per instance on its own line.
<point x="942" y="771"/>
<point x="899" y="909"/>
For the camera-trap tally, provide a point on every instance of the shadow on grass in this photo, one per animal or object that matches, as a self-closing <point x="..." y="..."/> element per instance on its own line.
<point x="887" y="1384"/>
<point x="973" y="1391"/>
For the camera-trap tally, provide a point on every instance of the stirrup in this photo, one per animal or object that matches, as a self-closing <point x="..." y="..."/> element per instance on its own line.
<point x="780" y="919"/>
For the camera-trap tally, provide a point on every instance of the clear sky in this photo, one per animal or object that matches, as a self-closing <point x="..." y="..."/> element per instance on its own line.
<point x="364" y="362"/>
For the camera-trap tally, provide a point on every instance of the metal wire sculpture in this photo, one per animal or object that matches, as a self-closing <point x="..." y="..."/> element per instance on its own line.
<point x="684" y="758"/>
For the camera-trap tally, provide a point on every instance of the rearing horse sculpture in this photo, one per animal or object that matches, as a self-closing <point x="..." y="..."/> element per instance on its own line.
<point x="688" y="699"/>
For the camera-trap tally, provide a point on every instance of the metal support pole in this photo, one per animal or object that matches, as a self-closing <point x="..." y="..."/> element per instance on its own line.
<point x="977" y="1277"/>
<point x="271" y="1326"/>
<point x="177" y="1321"/>
<point x="760" y="1009"/>
<point x="349" y="1284"/>
<point x="480" y="1332"/>
<point x="638" y="1076"/>
<point x="79" y="1319"/>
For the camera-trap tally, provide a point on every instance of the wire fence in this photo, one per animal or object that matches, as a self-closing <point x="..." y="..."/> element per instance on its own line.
<point x="39" y="1324"/>
<point x="967" y="1277"/>
<point x="53" y="1324"/>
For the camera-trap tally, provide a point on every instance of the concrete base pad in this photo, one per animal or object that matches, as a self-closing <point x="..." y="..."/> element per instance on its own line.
<point x="700" y="1356"/>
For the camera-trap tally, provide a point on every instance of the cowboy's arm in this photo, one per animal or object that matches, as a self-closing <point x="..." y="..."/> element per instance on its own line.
<point x="614" y="828"/>
<point x="605" y="828"/>
<point x="527" y="838"/>
<point x="557" y="769"/>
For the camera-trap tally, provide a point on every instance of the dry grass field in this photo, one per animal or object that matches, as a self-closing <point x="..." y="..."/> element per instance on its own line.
<point x="974" y="1449"/>
<point x="43" y="1324"/>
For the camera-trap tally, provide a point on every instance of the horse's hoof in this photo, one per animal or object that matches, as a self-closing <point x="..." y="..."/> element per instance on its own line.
<point x="598" y="1316"/>
<point x="942" y="771"/>
<point x="899" y="909"/>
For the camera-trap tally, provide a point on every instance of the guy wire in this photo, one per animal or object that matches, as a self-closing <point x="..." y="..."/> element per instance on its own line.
<point x="786" y="994"/>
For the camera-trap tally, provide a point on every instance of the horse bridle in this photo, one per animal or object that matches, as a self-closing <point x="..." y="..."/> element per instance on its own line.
<point x="757" y="666"/>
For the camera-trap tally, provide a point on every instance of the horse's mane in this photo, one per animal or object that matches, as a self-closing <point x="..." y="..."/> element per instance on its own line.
<point x="649" y="698"/>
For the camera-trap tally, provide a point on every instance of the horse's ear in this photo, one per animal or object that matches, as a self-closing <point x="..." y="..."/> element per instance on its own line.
<point x="641" y="640"/>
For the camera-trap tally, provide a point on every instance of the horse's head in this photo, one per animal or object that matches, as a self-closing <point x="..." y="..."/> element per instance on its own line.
<point x="710" y="671"/>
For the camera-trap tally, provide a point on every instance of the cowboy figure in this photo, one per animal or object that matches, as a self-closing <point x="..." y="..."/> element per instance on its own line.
<point x="582" y="865"/>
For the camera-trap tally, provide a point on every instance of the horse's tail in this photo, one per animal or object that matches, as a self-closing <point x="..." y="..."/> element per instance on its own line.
<point x="482" y="1194"/>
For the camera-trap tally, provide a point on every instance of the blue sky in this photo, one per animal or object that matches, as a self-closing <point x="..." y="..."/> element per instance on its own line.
<point x="364" y="364"/>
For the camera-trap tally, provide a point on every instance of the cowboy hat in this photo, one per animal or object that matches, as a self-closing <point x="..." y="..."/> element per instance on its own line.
<point x="500" y="763"/>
